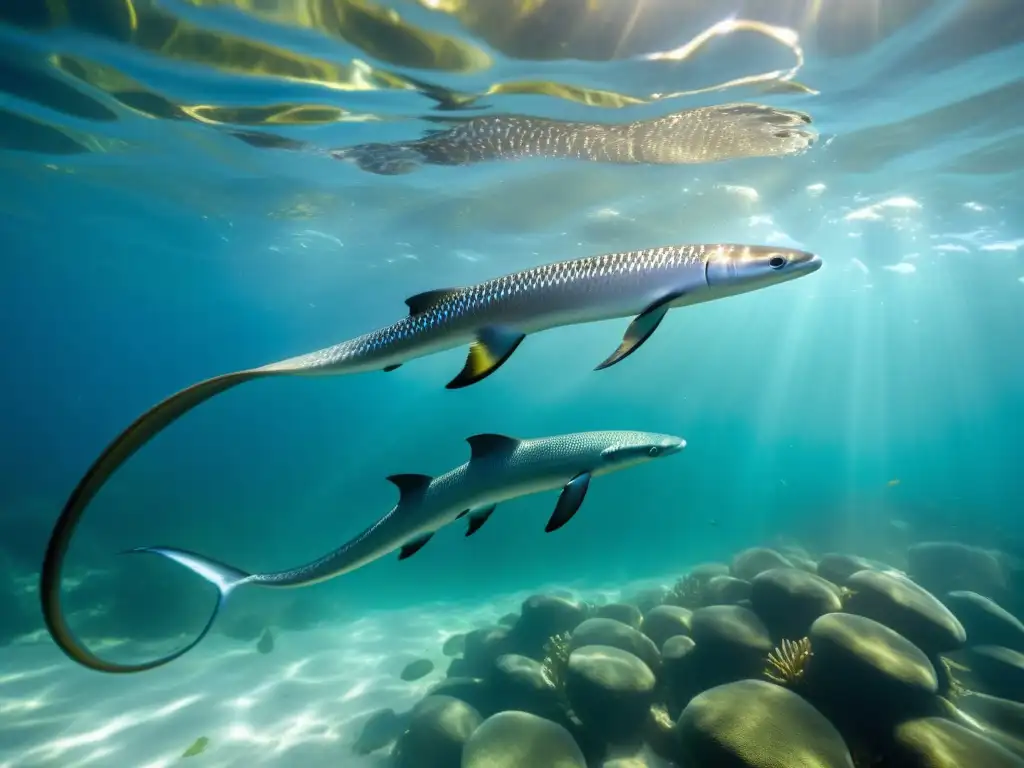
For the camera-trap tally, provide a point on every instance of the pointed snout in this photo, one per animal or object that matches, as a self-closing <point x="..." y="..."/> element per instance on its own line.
<point x="805" y="262"/>
<point x="672" y="445"/>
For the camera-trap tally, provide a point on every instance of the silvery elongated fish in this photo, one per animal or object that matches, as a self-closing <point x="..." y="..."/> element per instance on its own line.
<point x="492" y="317"/>
<point x="699" y="135"/>
<point x="500" y="468"/>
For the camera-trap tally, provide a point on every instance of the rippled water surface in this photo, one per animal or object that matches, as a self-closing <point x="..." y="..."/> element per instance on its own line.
<point x="190" y="187"/>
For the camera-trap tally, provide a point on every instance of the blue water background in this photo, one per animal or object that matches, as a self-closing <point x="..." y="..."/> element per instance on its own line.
<point x="800" y="403"/>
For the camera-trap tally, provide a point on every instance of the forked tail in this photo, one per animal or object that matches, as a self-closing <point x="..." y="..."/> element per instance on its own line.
<point x="141" y="431"/>
<point x="223" y="576"/>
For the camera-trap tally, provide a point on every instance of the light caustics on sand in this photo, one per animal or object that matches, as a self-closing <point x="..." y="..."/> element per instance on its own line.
<point x="494" y="317"/>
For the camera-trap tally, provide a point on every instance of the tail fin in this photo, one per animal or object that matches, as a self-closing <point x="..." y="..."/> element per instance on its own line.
<point x="140" y="432"/>
<point x="224" y="577"/>
<point x="382" y="159"/>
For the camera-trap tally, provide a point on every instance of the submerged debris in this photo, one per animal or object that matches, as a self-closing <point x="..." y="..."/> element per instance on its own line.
<point x="198" y="747"/>
<point x="266" y="643"/>
<point x="786" y="664"/>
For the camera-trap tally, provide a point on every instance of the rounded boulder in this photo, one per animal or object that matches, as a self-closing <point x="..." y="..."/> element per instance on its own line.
<point x="611" y="691"/>
<point x="754" y="724"/>
<point x="519" y="739"/>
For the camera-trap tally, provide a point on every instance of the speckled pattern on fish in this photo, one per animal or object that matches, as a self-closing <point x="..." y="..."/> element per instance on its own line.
<point x="574" y="290"/>
<point x="700" y="135"/>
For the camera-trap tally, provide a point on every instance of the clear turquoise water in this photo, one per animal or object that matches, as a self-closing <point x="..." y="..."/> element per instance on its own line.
<point x="156" y="252"/>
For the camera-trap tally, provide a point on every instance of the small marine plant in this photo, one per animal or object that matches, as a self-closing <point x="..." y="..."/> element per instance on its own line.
<point x="956" y="689"/>
<point x="787" y="662"/>
<point x="556" y="660"/>
<point x="688" y="592"/>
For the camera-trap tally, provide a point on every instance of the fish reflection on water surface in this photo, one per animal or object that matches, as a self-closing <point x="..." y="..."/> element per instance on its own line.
<point x="700" y="135"/>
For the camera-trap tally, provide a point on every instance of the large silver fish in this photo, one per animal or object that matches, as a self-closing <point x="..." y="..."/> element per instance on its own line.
<point x="500" y="468"/>
<point x="699" y="135"/>
<point x="492" y="317"/>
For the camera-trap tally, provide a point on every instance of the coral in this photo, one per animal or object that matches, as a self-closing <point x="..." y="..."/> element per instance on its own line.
<point x="688" y="592"/>
<point x="786" y="664"/>
<point x="556" y="660"/>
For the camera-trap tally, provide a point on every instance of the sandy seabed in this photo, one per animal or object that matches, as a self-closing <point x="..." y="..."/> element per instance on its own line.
<point x="303" y="704"/>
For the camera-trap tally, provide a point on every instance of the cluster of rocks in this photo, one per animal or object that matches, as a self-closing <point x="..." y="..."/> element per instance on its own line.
<point x="776" y="659"/>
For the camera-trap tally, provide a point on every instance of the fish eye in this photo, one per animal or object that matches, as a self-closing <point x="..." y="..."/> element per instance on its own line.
<point x="653" y="450"/>
<point x="777" y="261"/>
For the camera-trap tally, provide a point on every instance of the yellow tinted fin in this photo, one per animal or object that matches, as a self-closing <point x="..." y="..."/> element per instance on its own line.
<point x="493" y="346"/>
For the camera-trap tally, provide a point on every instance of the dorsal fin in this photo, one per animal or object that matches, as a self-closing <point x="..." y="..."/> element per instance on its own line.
<point x="488" y="444"/>
<point x="410" y="483"/>
<point x="424" y="302"/>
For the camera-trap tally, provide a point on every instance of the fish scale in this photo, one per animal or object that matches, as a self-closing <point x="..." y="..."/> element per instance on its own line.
<point x="563" y="286"/>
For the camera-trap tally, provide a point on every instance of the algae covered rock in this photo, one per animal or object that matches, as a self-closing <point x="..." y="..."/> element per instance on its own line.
<point x="629" y="615"/>
<point x="726" y="590"/>
<point x="542" y="617"/>
<point x="519" y="739"/>
<point x="617" y="635"/>
<point x="837" y="567"/>
<point x="933" y="742"/>
<point x="482" y="648"/>
<point x="788" y="600"/>
<point x="474" y="691"/>
<point x="704" y="572"/>
<point x="519" y="683"/>
<point x="416" y="670"/>
<point x="754" y="724"/>
<point x="730" y="639"/>
<point x="454" y="645"/>
<point x="949" y="566"/>
<point x="998" y="719"/>
<point x="611" y="691"/>
<point x="1000" y="671"/>
<point x="865" y="670"/>
<point x="665" y="621"/>
<point x="648" y="598"/>
<point x="437" y="729"/>
<point x="750" y="562"/>
<point x="380" y="729"/>
<point x="909" y="609"/>
<point x="985" y="621"/>
<point x="678" y="676"/>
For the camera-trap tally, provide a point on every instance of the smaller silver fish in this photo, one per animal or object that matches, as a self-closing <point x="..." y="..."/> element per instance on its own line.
<point x="500" y="468"/>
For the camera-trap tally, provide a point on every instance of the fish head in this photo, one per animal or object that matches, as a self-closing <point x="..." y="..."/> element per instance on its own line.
<point x="733" y="269"/>
<point x="631" y="448"/>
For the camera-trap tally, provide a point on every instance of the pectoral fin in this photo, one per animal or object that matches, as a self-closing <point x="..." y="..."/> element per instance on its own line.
<point x="478" y="517"/>
<point x="640" y="329"/>
<point x="492" y="347"/>
<point x="414" y="546"/>
<point x="572" y="496"/>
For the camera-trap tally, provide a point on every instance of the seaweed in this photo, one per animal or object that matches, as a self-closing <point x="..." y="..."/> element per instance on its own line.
<point x="787" y="662"/>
